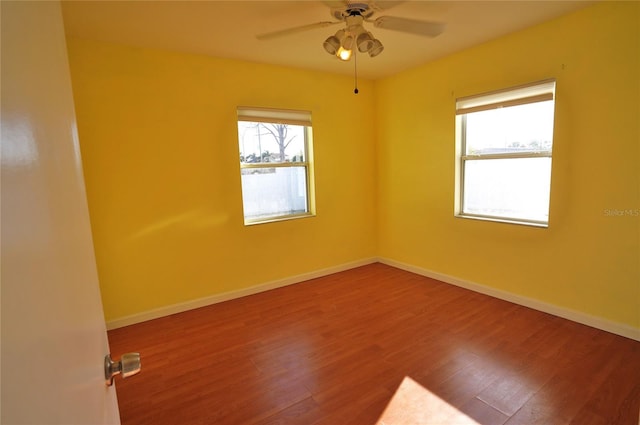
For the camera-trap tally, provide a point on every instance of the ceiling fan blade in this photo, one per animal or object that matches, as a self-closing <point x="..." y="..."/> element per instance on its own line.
<point x="412" y="26"/>
<point x="295" y="30"/>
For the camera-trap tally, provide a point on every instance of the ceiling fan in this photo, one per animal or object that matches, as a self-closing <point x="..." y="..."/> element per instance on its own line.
<point x="354" y="15"/>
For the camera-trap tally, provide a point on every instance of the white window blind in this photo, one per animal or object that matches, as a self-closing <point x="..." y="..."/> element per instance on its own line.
<point x="529" y="93"/>
<point x="278" y="116"/>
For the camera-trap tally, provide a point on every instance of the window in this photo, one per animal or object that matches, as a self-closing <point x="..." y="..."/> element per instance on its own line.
<point x="504" y="142"/>
<point x="275" y="164"/>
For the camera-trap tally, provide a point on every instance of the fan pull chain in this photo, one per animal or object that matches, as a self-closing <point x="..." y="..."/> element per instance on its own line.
<point x="355" y="70"/>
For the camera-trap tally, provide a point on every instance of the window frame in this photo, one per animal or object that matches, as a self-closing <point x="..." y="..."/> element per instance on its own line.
<point x="515" y="96"/>
<point x="281" y="116"/>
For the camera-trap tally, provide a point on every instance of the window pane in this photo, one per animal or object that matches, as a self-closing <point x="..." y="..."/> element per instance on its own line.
<point x="266" y="142"/>
<point x="274" y="191"/>
<point x="509" y="188"/>
<point x="522" y="128"/>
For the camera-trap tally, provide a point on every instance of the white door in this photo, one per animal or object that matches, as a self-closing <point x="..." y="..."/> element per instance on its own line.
<point x="53" y="331"/>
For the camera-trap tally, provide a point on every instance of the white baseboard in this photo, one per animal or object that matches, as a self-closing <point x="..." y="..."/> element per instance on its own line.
<point x="226" y="296"/>
<point x="575" y="316"/>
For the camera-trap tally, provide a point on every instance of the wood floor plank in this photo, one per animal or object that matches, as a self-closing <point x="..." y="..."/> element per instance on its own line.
<point x="336" y="350"/>
<point x="618" y="395"/>
<point x="557" y="402"/>
<point x="483" y="413"/>
<point x="304" y="412"/>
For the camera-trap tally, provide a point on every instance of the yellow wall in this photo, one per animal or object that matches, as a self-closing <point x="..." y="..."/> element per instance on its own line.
<point x="586" y="260"/>
<point x="158" y="135"/>
<point x="158" y="138"/>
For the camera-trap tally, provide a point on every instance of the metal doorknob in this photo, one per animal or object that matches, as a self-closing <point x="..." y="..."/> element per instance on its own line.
<point x="128" y="365"/>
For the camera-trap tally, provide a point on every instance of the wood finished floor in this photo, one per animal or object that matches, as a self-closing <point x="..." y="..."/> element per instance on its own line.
<point x="334" y="350"/>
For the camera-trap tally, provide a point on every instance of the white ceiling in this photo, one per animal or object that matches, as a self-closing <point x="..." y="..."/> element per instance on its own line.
<point x="228" y="29"/>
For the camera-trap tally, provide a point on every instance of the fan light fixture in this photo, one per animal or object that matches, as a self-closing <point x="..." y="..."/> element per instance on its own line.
<point x="332" y="45"/>
<point x="341" y="44"/>
<point x="344" y="54"/>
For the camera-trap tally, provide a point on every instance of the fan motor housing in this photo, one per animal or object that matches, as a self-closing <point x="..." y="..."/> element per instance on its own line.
<point x="353" y="9"/>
